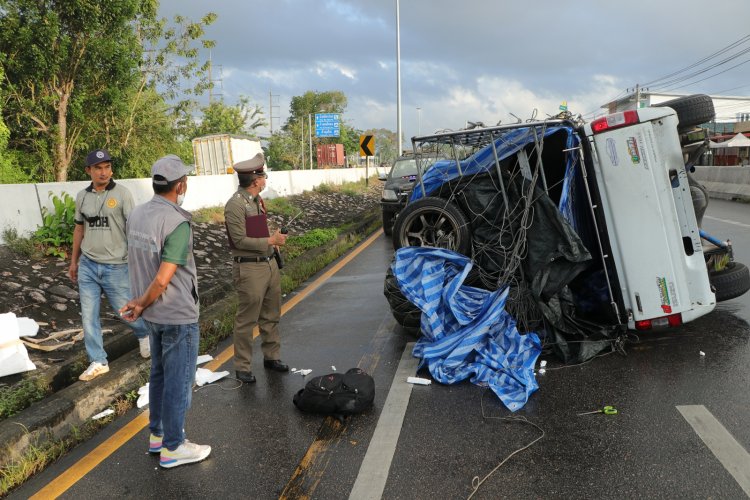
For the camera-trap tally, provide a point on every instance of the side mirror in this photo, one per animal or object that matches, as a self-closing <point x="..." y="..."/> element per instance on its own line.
<point x="382" y="176"/>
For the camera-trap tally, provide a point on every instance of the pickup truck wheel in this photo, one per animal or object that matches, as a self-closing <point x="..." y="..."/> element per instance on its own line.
<point x="730" y="282"/>
<point x="692" y="110"/>
<point x="432" y="222"/>
<point x="406" y="314"/>
<point x="388" y="223"/>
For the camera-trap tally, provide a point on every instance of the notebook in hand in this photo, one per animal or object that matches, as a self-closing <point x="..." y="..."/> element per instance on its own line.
<point x="256" y="226"/>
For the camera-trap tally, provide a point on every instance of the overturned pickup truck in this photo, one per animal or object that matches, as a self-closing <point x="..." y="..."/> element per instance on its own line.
<point x="590" y="229"/>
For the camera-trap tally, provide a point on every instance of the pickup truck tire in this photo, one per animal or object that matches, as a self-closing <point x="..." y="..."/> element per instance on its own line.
<point x="388" y="223"/>
<point x="432" y="222"/>
<point x="406" y="314"/>
<point x="730" y="282"/>
<point x="692" y="110"/>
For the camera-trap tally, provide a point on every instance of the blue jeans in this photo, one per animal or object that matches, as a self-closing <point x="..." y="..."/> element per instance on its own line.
<point x="93" y="279"/>
<point x="174" y="355"/>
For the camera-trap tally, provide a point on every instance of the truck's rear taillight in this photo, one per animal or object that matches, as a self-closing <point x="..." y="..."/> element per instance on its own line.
<point x="664" y="322"/>
<point x="616" y="120"/>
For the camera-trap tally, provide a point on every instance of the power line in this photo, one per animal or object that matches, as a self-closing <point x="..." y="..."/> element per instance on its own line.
<point x="698" y="63"/>
<point x="710" y="76"/>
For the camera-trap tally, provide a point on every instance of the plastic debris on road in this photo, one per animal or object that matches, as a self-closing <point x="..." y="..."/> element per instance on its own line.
<point x="142" y="396"/>
<point x="205" y="376"/>
<point x="105" y="413"/>
<point x="301" y="371"/>
<point x="13" y="355"/>
<point x="418" y="380"/>
<point x="204" y="358"/>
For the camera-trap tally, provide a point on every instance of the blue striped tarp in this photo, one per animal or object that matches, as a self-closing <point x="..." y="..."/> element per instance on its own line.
<point x="466" y="331"/>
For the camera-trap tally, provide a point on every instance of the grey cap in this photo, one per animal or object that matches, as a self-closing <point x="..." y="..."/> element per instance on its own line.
<point x="170" y="168"/>
<point x="254" y="165"/>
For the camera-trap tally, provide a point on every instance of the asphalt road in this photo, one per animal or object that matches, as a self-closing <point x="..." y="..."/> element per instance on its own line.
<point x="681" y="430"/>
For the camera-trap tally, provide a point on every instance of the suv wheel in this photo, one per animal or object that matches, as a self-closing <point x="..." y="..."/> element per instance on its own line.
<point x="432" y="222"/>
<point x="692" y="110"/>
<point x="406" y="314"/>
<point x="730" y="282"/>
<point x="388" y="223"/>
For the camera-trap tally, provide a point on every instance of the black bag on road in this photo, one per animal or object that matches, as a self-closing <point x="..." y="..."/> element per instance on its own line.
<point x="337" y="394"/>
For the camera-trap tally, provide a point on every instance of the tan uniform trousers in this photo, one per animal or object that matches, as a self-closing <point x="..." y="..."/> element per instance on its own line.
<point x="258" y="286"/>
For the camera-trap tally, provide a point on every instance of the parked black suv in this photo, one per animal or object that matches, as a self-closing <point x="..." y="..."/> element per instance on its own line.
<point x="396" y="190"/>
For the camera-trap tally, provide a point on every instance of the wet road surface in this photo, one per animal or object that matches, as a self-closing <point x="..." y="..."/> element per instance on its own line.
<point x="680" y="431"/>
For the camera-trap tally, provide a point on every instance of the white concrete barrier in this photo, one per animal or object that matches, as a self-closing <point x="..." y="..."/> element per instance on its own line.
<point x="729" y="183"/>
<point x="22" y="203"/>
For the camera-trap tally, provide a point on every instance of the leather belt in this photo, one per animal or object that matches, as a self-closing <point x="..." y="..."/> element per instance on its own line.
<point x="251" y="259"/>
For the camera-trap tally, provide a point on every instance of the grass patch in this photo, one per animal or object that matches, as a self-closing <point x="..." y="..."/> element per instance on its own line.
<point x="210" y="215"/>
<point x="33" y="461"/>
<point x="283" y="207"/>
<point x="37" y="458"/>
<point x="215" y="330"/>
<point x="354" y="188"/>
<point x="297" y="245"/>
<point x="21" y="245"/>
<point x="20" y="396"/>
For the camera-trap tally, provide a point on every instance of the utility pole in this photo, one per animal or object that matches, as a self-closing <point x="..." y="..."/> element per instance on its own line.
<point x="637" y="96"/>
<point x="211" y="80"/>
<point x="398" y="79"/>
<point x="271" y="105"/>
<point x="309" y="132"/>
<point x="302" y="128"/>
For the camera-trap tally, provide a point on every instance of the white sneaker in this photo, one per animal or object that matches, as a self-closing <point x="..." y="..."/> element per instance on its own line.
<point x="186" y="453"/>
<point x="94" y="370"/>
<point x="144" y="347"/>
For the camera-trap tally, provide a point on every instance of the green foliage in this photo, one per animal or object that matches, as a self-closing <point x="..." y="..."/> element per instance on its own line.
<point x="297" y="245"/>
<point x="211" y="215"/>
<point x="19" y="244"/>
<point x="285" y="149"/>
<point x="82" y="75"/>
<point x="20" y="396"/>
<point x="219" y="118"/>
<point x="324" y="188"/>
<point x="282" y="206"/>
<point x="56" y="232"/>
<point x="298" y="270"/>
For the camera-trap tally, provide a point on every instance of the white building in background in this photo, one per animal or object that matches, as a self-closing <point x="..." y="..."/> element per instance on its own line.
<point x="732" y="112"/>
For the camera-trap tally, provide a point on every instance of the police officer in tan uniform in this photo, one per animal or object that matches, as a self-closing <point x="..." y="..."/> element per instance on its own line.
<point x="255" y="272"/>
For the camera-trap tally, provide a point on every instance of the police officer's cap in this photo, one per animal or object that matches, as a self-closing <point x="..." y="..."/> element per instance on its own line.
<point x="97" y="156"/>
<point x="255" y="165"/>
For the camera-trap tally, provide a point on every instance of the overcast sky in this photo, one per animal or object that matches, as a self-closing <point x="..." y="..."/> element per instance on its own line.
<point x="467" y="60"/>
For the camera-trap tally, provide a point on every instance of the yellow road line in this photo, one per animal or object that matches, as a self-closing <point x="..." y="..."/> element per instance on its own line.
<point x="75" y="473"/>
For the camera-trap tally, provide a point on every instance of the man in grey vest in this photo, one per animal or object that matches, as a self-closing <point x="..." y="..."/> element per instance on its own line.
<point x="99" y="260"/>
<point x="164" y="282"/>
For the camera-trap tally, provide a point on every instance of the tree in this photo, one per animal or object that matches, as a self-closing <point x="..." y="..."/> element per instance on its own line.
<point x="312" y="102"/>
<point x="284" y="151"/>
<point x="385" y="144"/>
<point x="10" y="173"/>
<point x="218" y="118"/>
<point x="82" y="74"/>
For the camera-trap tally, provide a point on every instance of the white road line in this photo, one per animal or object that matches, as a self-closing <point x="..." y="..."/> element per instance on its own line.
<point x="730" y="453"/>
<point x="727" y="221"/>
<point x="373" y="473"/>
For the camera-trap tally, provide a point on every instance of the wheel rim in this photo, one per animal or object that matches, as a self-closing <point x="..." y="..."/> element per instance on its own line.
<point x="430" y="227"/>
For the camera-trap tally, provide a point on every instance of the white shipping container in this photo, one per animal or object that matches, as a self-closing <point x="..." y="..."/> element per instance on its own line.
<point x="215" y="154"/>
